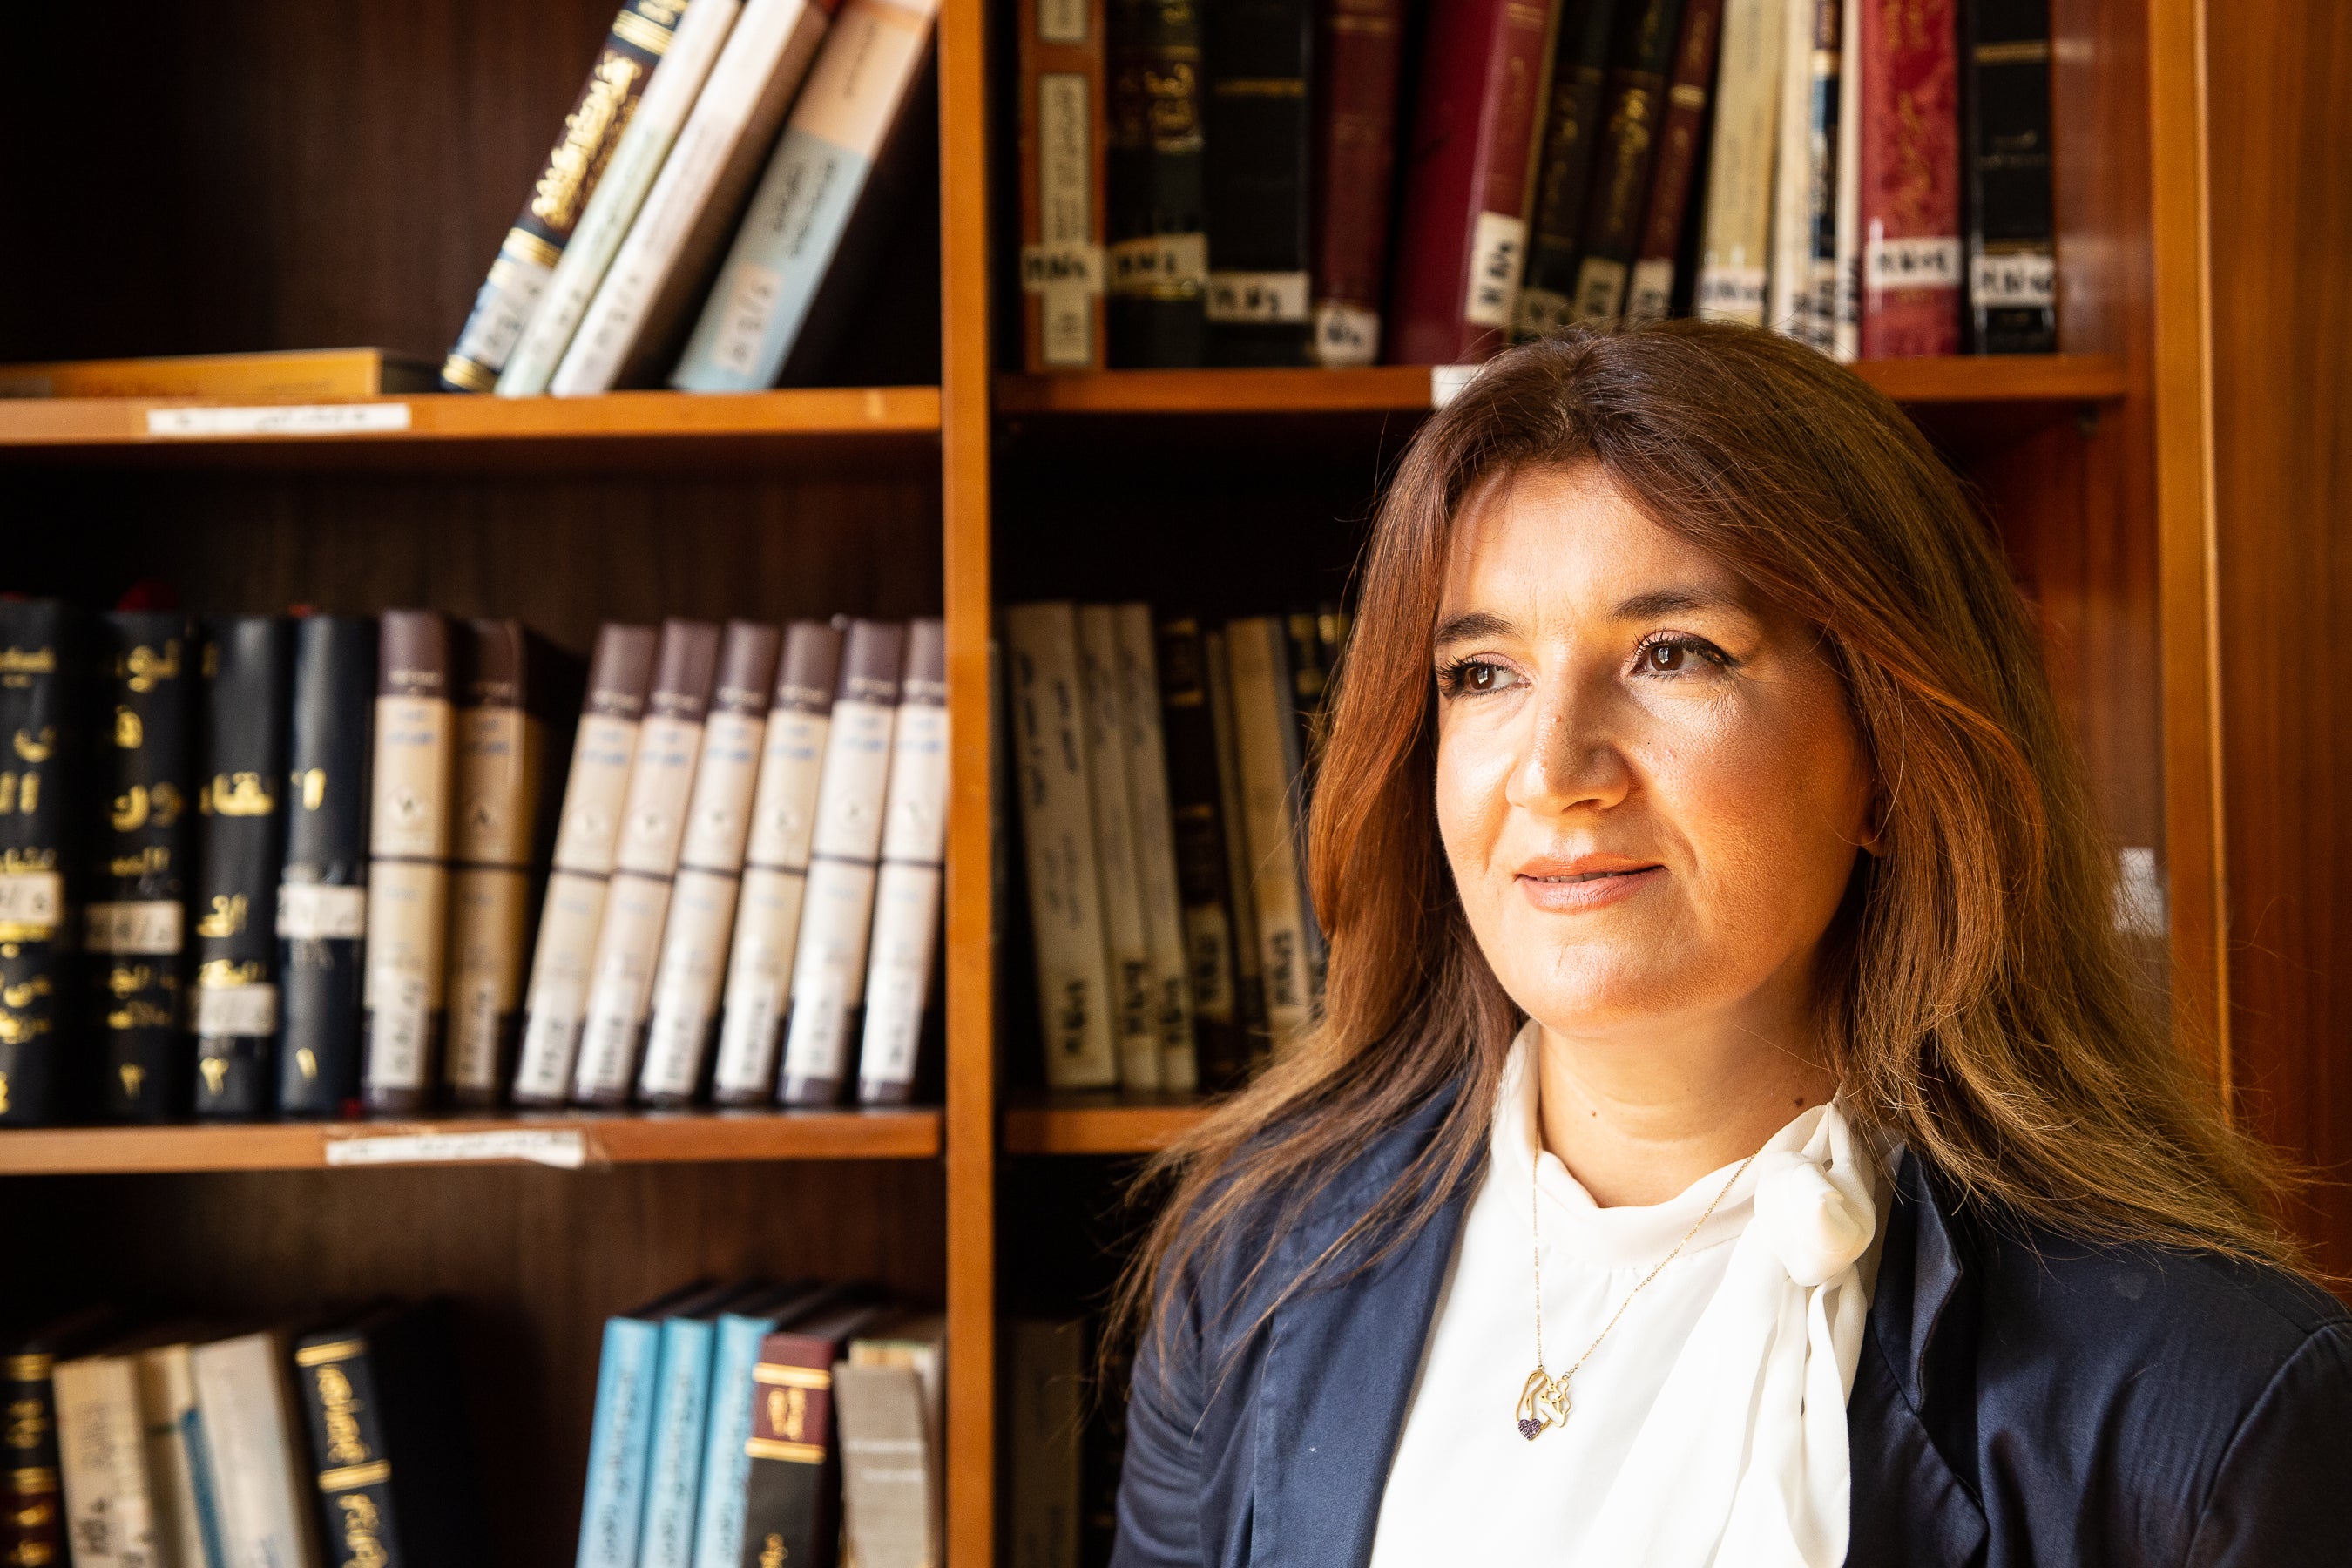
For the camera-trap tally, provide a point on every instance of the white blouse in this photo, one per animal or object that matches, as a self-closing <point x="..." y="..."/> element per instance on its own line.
<point x="1707" y="1428"/>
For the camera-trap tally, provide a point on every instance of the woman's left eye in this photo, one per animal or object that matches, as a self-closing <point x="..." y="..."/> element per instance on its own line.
<point x="1678" y="655"/>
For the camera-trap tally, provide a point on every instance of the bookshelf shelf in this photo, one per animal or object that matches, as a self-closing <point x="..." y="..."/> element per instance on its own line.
<point x="556" y="1139"/>
<point x="1974" y="379"/>
<point x="1103" y="1123"/>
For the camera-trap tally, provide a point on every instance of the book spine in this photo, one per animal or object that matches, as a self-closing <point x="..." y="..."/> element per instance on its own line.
<point x="1564" y="157"/>
<point x="1249" y="973"/>
<point x="2012" y="280"/>
<point x="32" y="1524"/>
<point x="1819" y="283"/>
<point x="823" y="168"/>
<point x="249" y="1421"/>
<point x="1790" y="272"/>
<point x="645" y="859"/>
<point x="829" y="964"/>
<point x="674" y="1472"/>
<point x="322" y="901"/>
<point x="498" y="747"/>
<point x="408" y="873"/>
<point x="587" y="828"/>
<point x="1146" y="755"/>
<point x="136" y="921"/>
<point x="792" y="1485"/>
<point x="1063" y="128"/>
<point x="711" y="864"/>
<point x="528" y="255"/>
<point x="336" y="1384"/>
<point x="1201" y="871"/>
<point x="102" y="1464"/>
<point x="1633" y="107"/>
<point x="775" y="865"/>
<point x="913" y="870"/>
<point x="718" y="1512"/>
<point x="604" y="221"/>
<point x="1127" y="948"/>
<point x="1464" y="219"/>
<point x="664" y="260"/>
<point x="37" y="659"/>
<point x="1734" y="259"/>
<point x="620" y="1437"/>
<point x="245" y="674"/>
<point x="167" y="1399"/>
<point x="1257" y="174"/>
<point x="1362" y="51"/>
<point x="1158" y="255"/>
<point x="1909" y="103"/>
<point x="889" y="1466"/>
<point x="1265" y="744"/>
<point x="1058" y="829"/>
<point x="1675" y="162"/>
<point x="1843" y="295"/>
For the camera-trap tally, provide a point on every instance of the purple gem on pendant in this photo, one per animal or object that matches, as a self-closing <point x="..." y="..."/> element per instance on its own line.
<point x="1530" y="1429"/>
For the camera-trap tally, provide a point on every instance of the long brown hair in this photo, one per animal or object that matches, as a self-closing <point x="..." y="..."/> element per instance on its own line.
<point x="1978" y="1004"/>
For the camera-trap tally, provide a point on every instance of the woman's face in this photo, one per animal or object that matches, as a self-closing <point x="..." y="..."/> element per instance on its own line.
<point x="1648" y="782"/>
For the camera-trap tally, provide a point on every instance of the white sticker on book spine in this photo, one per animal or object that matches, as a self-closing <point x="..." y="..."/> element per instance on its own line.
<point x="564" y="1148"/>
<point x="32" y="898"/>
<point x="235" y="1011"/>
<point x="2023" y="280"/>
<point x="153" y="927"/>
<point x="1160" y="265"/>
<point x="1346" y="336"/>
<point x="1541" y="312"/>
<point x="1497" y="243"/>
<point x="279" y="419"/>
<point x="399" y="1025"/>
<point x="1731" y="294"/>
<point x="1913" y="261"/>
<point x="1062" y="21"/>
<point x="312" y="911"/>
<point x="1275" y="298"/>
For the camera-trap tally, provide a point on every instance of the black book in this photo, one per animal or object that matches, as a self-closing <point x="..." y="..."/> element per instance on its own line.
<point x="1257" y="178"/>
<point x="1158" y="254"/>
<point x="1202" y="883"/>
<point x="2012" y="287"/>
<point x="794" y="1490"/>
<point x="321" y="909"/>
<point x="1633" y="107"/>
<point x="33" y="1524"/>
<point x="243" y="682"/>
<point x="137" y="916"/>
<point x="1570" y="133"/>
<point x="397" y="1483"/>
<point x="38" y="656"/>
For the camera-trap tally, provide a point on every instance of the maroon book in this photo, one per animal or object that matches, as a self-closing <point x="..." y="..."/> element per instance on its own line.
<point x="1463" y="236"/>
<point x="1675" y="162"/>
<point x="1355" y="165"/>
<point x="1910" y="180"/>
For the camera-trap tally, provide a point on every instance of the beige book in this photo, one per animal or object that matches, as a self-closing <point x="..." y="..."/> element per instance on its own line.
<point x="1262" y="721"/>
<point x="1126" y="949"/>
<point x="1735" y="255"/>
<point x="1155" y="847"/>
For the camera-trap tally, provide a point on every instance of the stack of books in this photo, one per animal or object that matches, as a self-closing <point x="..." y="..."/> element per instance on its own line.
<point x="1162" y="771"/>
<point x="303" y="854"/>
<point x="1340" y="182"/>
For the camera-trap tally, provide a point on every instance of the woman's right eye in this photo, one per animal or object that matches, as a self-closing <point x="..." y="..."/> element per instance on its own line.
<point x="1476" y="678"/>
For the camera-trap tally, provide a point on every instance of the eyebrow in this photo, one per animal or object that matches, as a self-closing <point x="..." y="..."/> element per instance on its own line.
<point x="1475" y="624"/>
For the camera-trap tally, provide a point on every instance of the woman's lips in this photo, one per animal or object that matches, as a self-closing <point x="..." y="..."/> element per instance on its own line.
<point x="1580" y="886"/>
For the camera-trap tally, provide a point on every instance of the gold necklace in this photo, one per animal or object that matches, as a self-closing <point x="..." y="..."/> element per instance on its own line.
<point x="1543" y="1403"/>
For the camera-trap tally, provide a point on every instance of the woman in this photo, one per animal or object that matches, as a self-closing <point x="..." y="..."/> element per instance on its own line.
<point x="1735" y="1135"/>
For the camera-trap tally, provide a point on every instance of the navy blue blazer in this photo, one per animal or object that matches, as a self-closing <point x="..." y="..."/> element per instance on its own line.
<point x="2021" y="1399"/>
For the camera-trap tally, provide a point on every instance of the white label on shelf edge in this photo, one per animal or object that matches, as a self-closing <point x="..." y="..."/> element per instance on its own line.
<point x="282" y="419"/>
<point x="564" y="1148"/>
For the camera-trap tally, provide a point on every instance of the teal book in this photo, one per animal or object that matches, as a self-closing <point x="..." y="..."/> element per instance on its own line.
<point x="681" y="1418"/>
<point x="620" y="1430"/>
<point x="725" y="1467"/>
<point x="787" y="280"/>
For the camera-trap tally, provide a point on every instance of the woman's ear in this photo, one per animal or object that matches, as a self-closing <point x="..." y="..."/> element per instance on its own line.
<point x="1874" y="825"/>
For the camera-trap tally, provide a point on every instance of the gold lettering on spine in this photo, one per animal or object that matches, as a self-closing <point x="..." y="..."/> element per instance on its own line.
<point x="227" y="918"/>
<point x="362" y="1532"/>
<point x="143" y="668"/>
<point x="588" y="132"/>
<point x="314" y="787"/>
<point x="35" y="750"/>
<point x="129" y="734"/>
<point x="341" y="1407"/>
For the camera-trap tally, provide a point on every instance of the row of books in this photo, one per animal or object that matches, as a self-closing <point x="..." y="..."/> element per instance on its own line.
<point x="1244" y="184"/>
<point x="304" y="851"/>
<point x="735" y="1426"/>
<point x="1161" y="773"/>
<point x="711" y="204"/>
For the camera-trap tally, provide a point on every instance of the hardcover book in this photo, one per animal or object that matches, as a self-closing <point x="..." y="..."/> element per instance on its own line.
<point x="1146" y="757"/>
<point x="1462" y="230"/>
<point x="528" y="255"/>
<point x="620" y="674"/>
<point x="2012" y="283"/>
<point x="178" y="1466"/>
<point x="620" y="1439"/>
<point x="1197" y="822"/>
<point x="1802" y="301"/>
<point x="1676" y="162"/>
<point x="39" y="656"/>
<point x="1843" y="293"/>
<point x="256" y="1450"/>
<point x="245" y="677"/>
<point x="323" y="899"/>
<point x="775" y="863"/>
<point x="1563" y="156"/>
<point x="1159" y="256"/>
<point x="136" y="920"/>
<point x="913" y="869"/>
<point x="735" y="1350"/>
<point x="1126" y="947"/>
<point x="890" y="1411"/>
<point x="829" y="964"/>
<point x="111" y="1516"/>
<point x="1633" y="98"/>
<point x="1267" y="751"/>
<point x="681" y="1409"/>
<point x="408" y="864"/>
<point x="1908" y="95"/>
<point x="1362" y="55"/>
<point x="33" y="1525"/>
<point x="1063" y="128"/>
<point x="1735" y="254"/>
<point x="1257" y="175"/>
<point x="791" y="1491"/>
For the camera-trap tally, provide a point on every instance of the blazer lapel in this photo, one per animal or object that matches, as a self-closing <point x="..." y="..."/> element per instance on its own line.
<point x="1339" y="1369"/>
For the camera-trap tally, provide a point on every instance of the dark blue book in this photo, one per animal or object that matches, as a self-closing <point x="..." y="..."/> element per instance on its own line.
<point x="320" y="918"/>
<point x="39" y="658"/>
<point x="243" y="682"/>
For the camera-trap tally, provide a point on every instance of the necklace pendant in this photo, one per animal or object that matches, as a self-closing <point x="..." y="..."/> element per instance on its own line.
<point x="1543" y="1404"/>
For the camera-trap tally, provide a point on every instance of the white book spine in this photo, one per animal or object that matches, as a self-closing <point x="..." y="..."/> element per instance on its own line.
<point x="829" y="968"/>
<point x="408" y="886"/>
<point x="1261" y="710"/>
<point x="1127" y="951"/>
<point x="1049" y="736"/>
<point x="764" y="58"/>
<point x="768" y="909"/>
<point x="1155" y="848"/>
<point x="167" y="1401"/>
<point x="102" y="1465"/>
<point x="1734" y="260"/>
<point x="1843" y="304"/>
<point x="906" y="899"/>
<point x="635" y="162"/>
<point x="263" y="1496"/>
<point x="1792" y="230"/>
<point x="555" y="1002"/>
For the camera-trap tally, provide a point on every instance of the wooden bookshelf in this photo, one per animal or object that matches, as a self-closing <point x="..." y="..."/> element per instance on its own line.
<point x="1098" y="1123"/>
